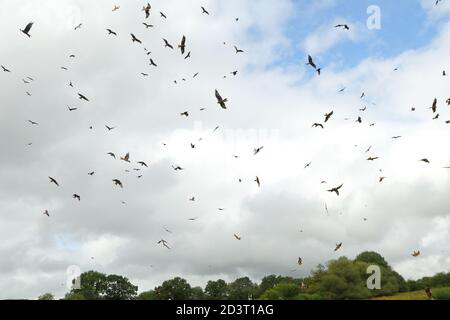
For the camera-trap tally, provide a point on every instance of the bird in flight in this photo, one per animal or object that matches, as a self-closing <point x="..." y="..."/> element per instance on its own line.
<point x="299" y="261"/>
<point x="46" y="213"/>
<point x="425" y="160"/>
<point x="318" y="125"/>
<point x="111" y="32"/>
<point x="126" y="158"/>
<point x="336" y="190"/>
<point x="72" y="109"/>
<point x="186" y="114"/>
<point x="91" y="173"/>
<point x="311" y="62"/>
<point x="338" y="246"/>
<point x="5" y="69"/>
<point x="257" y="150"/>
<point x="147" y="10"/>
<point x="205" y="11"/>
<point x="328" y="116"/>
<point x="238" y="50"/>
<point x="82" y="97"/>
<point x="416" y="253"/>
<point x="164" y="243"/>
<point x="109" y="128"/>
<point x="117" y="182"/>
<point x="33" y="123"/>
<point x="134" y="39"/>
<point x="192" y="199"/>
<point x="116" y="8"/>
<point x="182" y="46"/>
<point x="27" y="29"/>
<point x="111" y="154"/>
<point x="257" y="181"/>
<point x="220" y="100"/>
<point x="372" y="158"/>
<point x="237" y="237"/>
<point x="167" y="44"/>
<point x="345" y="26"/>
<point x="177" y="168"/>
<point x="78" y="26"/>
<point x="152" y="63"/>
<point x="163" y="15"/>
<point x="382" y="179"/>
<point x="52" y="180"/>
<point x="142" y="163"/>
<point x="434" y="106"/>
<point x="188" y="55"/>
<point x="77" y="197"/>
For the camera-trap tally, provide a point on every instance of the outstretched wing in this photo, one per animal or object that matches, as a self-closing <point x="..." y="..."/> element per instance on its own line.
<point x="28" y="27"/>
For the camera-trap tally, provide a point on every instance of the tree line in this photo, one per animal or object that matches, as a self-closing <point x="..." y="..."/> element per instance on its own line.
<point x="342" y="278"/>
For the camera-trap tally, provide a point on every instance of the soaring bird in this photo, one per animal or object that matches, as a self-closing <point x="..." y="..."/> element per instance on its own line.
<point x="5" y="69"/>
<point x="338" y="246"/>
<point x="91" y="173"/>
<point x="177" y="168"/>
<point x="78" y="26"/>
<point x="328" y="116"/>
<point x="205" y="11"/>
<point x="33" y="122"/>
<point x="345" y="26"/>
<point x="143" y="164"/>
<point x="77" y="197"/>
<point x="336" y="190"/>
<point x="372" y="158"/>
<point x="415" y="253"/>
<point x="72" y="109"/>
<point x="220" y="100"/>
<point x="164" y="243"/>
<point x="434" y="106"/>
<point x="234" y="73"/>
<point x="152" y="63"/>
<point x="126" y="158"/>
<point x="147" y="25"/>
<point x="300" y="261"/>
<point x="167" y="44"/>
<point x="52" y="180"/>
<point x="257" y="181"/>
<point x="448" y="101"/>
<point x="382" y="179"/>
<point x="112" y="154"/>
<point x="163" y="15"/>
<point x="425" y="160"/>
<point x="186" y="114"/>
<point x="237" y="237"/>
<point x="238" y="50"/>
<point x="134" y="39"/>
<point x="257" y="150"/>
<point x="192" y="199"/>
<point x="116" y="8"/>
<point x="147" y="10"/>
<point x="182" y="46"/>
<point x="117" y="182"/>
<point x="318" y="125"/>
<point x="82" y="97"/>
<point x="111" y="32"/>
<point x="109" y="128"/>
<point x="46" y="213"/>
<point x="311" y="62"/>
<point x="188" y="55"/>
<point x="27" y="29"/>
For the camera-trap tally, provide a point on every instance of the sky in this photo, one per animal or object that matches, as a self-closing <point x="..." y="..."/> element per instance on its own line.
<point x="273" y="101"/>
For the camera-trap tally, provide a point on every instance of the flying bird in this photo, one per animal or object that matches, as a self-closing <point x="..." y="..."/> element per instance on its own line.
<point x="416" y="253"/>
<point x="318" y="125"/>
<point x="52" y="180"/>
<point x="147" y="10"/>
<point x="147" y="25"/>
<point x="77" y="197"/>
<point x="163" y="15"/>
<point x="126" y="158"/>
<point x="238" y="50"/>
<point x="338" y="246"/>
<point x="27" y="29"/>
<point x="46" y="213"/>
<point x="117" y="182"/>
<point x="345" y="26"/>
<point x="328" y="116"/>
<point x="311" y="62"/>
<point x="220" y="100"/>
<point x="167" y="44"/>
<point x="109" y="128"/>
<point x="33" y="122"/>
<point x="299" y="261"/>
<point x="425" y="160"/>
<point x="72" y="109"/>
<point x="82" y="97"/>
<point x="182" y="46"/>
<point x="164" y="243"/>
<point x="116" y="8"/>
<point x="257" y="181"/>
<point x="78" y="26"/>
<point x="112" y="154"/>
<point x="5" y="69"/>
<point x="205" y="11"/>
<point x="188" y="55"/>
<point x="134" y="39"/>
<point x="434" y="106"/>
<point x="237" y="237"/>
<point x="152" y="63"/>
<point x="336" y="190"/>
<point x="142" y="163"/>
<point x="111" y="32"/>
<point x="257" y="150"/>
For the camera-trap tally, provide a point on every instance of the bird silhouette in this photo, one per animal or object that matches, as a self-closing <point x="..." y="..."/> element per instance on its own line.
<point x="126" y="158"/>
<point x="345" y="26"/>
<point x="338" y="246"/>
<point x="147" y="10"/>
<point x="205" y="11"/>
<point x="134" y="39"/>
<point x="311" y="62"/>
<point x="220" y="100"/>
<point x="117" y="182"/>
<point x="27" y="29"/>
<point x="111" y="32"/>
<point x="182" y="46"/>
<point x="52" y="180"/>
<point x="238" y="50"/>
<point x="415" y="253"/>
<point x="77" y="197"/>
<point x="82" y="97"/>
<point x="167" y="44"/>
<point x="336" y="190"/>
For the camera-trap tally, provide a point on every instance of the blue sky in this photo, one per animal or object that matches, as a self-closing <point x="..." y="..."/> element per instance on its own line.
<point x="405" y="26"/>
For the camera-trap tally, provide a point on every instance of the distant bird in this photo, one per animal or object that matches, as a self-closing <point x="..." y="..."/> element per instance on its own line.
<point x="363" y="109"/>
<point x="257" y="181"/>
<point x="345" y="26"/>
<point x="336" y="190"/>
<point x="91" y="173"/>
<point x="64" y="68"/>
<point x="192" y="146"/>
<point x="362" y="95"/>
<point x="46" y="213"/>
<point x="396" y="137"/>
<point x="318" y="125"/>
<point x="299" y="261"/>
<point x="147" y="25"/>
<point x="188" y="55"/>
<point x="78" y="26"/>
<point x="112" y="154"/>
<point x="134" y="39"/>
<point x="116" y="8"/>
<point x="234" y="73"/>
<point x="196" y="74"/>
<point x="72" y="56"/>
<point x="182" y="46"/>
<point x="257" y="150"/>
<point x="164" y="243"/>
<point x="126" y="158"/>
<point x="163" y="15"/>
<point x="372" y="158"/>
<point x="193" y="219"/>
<point x="33" y="122"/>
<point x="167" y="44"/>
<point x="70" y="84"/>
<point x="448" y="102"/>
<point x="237" y="237"/>
<point x="434" y="106"/>
<point x="307" y="165"/>
<point x="52" y="180"/>
<point x="382" y="179"/>
<point x="444" y="73"/>
<point x="147" y="10"/>
<point x="319" y="70"/>
<point x="27" y="29"/>
<point x="144" y="74"/>
<point x="152" y="63"/>
<point x="177" y="168"/>
<point x="117" y="182"/>
<point x="359" y="120"/>
<point x="425" y="160"/>
<point x="220" y="100"/>
<point x="142" y="163"/>
<point x="5" y="69"/>
<point x="205" y="11"/>
<point x="415" y="253"/>
<point x="338" y="246"/>
<point x="72" y="109"/>
<point x="77" y="197"/>
<point x="328" y="116"/>
<point x="109" y="128"/>
<point x="111" y="32"/>
<point x="82" y="97"/>
<point x="186" y="114"/>
<point x="311" y="62"/>
<point x="238" y="50"/>
<point x="192" y="199"/>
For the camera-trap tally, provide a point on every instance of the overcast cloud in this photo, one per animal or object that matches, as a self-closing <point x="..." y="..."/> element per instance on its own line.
<point x="270" y="104"/>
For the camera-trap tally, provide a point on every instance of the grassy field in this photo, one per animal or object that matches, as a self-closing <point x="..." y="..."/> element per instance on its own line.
<point x="439" y="293"/>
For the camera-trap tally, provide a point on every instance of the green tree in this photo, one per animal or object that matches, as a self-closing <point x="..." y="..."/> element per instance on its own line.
<point x="371" y="257"/>
<point x="74" y="296"/>
<point x="46" y="296"/>
<point x="197" y="294"/>
<point x="242" y="289"/>
<point x="216" y="290"/>
<point x="175" y="289"/>
<point x="119" y="288"/>
<point x="92" y="285"/>
<point x="147" y="295"/>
